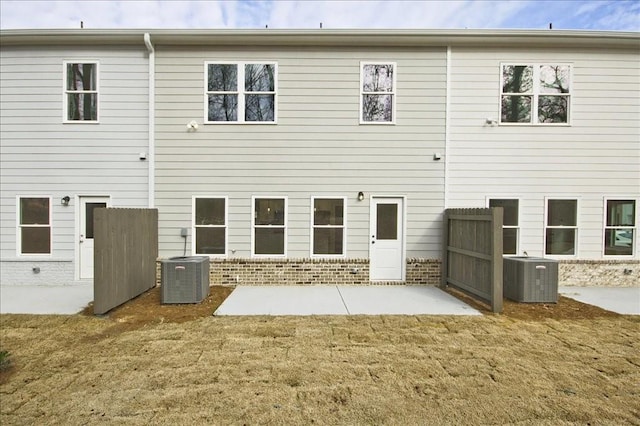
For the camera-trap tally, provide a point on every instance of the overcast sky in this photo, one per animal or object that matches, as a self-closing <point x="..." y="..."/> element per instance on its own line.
<point x="621" y="15"/>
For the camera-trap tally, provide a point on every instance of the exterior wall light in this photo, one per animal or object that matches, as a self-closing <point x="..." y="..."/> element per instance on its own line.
<point x="192" y="126"/>
<point x="65" y="200"/>
<point x="360" y="196"/>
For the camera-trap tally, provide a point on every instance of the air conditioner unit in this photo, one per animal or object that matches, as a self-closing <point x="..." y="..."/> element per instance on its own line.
<point x="185" y="279"/>
<point x="530" y="279"/>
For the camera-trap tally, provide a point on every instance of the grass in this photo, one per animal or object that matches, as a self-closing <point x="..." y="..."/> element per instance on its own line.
<point x="427" y="370"/>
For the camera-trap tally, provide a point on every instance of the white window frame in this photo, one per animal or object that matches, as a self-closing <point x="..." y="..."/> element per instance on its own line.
<point x="194" y="227"/>
<point x="393" y="93"/>
<point x="254" y="226"/>
<point x="634" y="228"/>
<point x="19" y="227"/>
<point x="576" y="228"/>
<point x="240" y="92"/>
<point x="343" y="227"/>
<point x="536" y="93"/>
<point x="517" y="228"/>
<point x="66" y="92"/>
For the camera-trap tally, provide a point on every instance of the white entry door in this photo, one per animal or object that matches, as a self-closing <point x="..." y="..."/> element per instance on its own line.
<point x="386" y="246"/>
<point x="85" y="233"/>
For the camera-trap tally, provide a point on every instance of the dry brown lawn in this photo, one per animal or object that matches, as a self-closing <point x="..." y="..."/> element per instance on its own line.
<point x="147" y="363"/>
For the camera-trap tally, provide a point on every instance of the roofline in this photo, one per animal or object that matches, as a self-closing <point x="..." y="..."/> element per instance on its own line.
<point x="324" y="37"/>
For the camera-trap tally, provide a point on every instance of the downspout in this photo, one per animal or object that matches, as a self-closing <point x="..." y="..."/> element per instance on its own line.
<point x="447" y="131"/>
<point x="152" y="119"/>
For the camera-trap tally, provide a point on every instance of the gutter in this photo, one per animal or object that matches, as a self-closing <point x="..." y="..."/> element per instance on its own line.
<point x="152" y="120"/>
<point x="447" y="128"/>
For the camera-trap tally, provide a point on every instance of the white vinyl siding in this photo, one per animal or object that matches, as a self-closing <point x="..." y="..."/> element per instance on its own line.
<point x="318" y="148"/>
<point x="43" y="155"/>
<point x="596" y="156"/>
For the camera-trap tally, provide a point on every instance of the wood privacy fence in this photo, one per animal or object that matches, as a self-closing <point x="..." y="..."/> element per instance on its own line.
<point x="472" y="253"/>
<point x="125" y="252"/>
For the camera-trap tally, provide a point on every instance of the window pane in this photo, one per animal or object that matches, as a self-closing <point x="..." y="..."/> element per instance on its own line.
<point x="517" y="79"/>
<point x="327" y="240"/>
<point x="90" y="207"/>
<point x="328" y="211"/>
<point x="82" y="106"/>
<point x="553" y="109"/>
<point x="618" y="242"/>
<point x="509" y="241"/>
<point x="222" y="78"/>
<point x="36" y="240"/>
<point x="269" y="240"/>
<point x="554" y="79"/>
<point x="377" y="78"/>
<point x="562" y="213"/>
<point x="269" y="211"/>
<point x="387" y="222"/>
<point x="210" y="240"/>
<point x="510" y="207"/>
<point x="259" y="78"/>
<point x="621" y="212"/>
<point x="81" y="77"/>
<point x="560" y="241"/>
<point x="223" y="107"/>
<point x="377" y="108"/>
<point x="34" y="211"/>
<point x="210" y="211"/>
<point x="260" y="107"/>
<point x="516" y="109"/>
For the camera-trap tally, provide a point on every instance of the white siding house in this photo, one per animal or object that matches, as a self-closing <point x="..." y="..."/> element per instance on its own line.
<point x="73" y="123"/>
<point x="324" y="156"/>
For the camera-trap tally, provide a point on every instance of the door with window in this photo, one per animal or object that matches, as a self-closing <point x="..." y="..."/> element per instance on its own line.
<point x="87" y="207"/>
<point x="386" y="245"/>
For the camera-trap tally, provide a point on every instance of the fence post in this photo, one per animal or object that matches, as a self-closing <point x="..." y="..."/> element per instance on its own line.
<point x="444" y="264"/>
<point x="496" y="261"/>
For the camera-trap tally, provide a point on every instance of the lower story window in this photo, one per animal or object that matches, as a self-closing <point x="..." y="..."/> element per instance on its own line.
<point x="509" y="223"/>
<point x="210" y="225"/>
<point x="620" y="224"/>
<point x="561" y="227"/>
<point x="34" y="225"/>
<point x="269" y="226"/>
<point x="328" y="226"/>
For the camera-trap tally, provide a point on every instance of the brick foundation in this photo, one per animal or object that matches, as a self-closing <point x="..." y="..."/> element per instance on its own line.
<point x="229" y="272"/>
<point x="599" y="273"/>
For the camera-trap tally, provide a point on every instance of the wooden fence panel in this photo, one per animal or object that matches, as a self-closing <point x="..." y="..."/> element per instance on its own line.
<point x="472" y="253"/>
<point x="125" y="254"/>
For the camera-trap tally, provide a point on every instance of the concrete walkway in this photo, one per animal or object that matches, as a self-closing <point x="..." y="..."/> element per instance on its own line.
<point x="342" y="300"/>
<point x="62" y="299"/>
<point x="623" y="300"/>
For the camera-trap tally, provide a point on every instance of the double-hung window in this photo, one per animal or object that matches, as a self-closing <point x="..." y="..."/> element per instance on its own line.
<point x="81" y="91"/>
<point x="34" y="225"/>
<point x="328" y="226"/>
<point x="620" y="226"/>
<point x="535" y="94"/>
<point x="377" y="92"/>
<point x="210" y="226"/>
<point x="269" y="226"/>
<point x="561" y="227"/>
<point x="241" y="92"/>
<point x="510" y="229"/>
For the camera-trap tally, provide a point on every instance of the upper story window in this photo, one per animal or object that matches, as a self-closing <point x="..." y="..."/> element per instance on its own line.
<point x="378" y="92"/>
<point x="510" y="220"/>
<point x="328" y="229"/>
<point x="34" y="225"/>
<point x="535" y="94"/>
<point x="241" y="92"/>
<point x="81" y="92"/>
<point x="620" y="226"/>
<point x="210" y="226"/>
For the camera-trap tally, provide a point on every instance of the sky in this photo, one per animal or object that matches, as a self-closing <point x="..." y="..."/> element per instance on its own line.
<point x="618" y="15"/>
